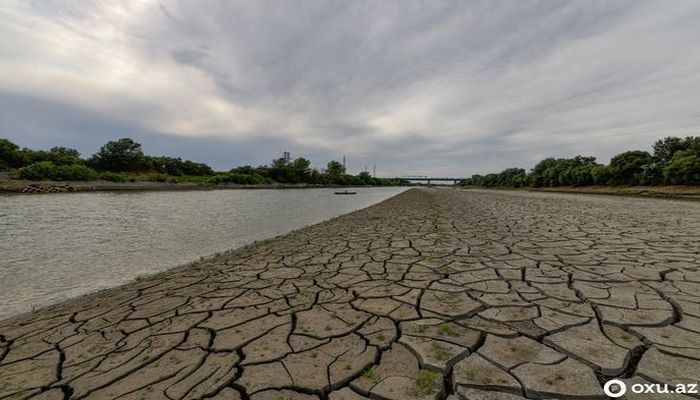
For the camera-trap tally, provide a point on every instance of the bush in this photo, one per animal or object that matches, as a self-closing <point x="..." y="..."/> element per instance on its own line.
<point x="628" y="167"/>
<point x="73" y="172"/>
<point x="50" y="171"/>
<point x="684" y="169"/>
<point x="160" y="178"/>
<point x="240" y="179"/>
<point x="37" y="171"/>
<point x="112" y="177"/>
<point x="602" y="175"/>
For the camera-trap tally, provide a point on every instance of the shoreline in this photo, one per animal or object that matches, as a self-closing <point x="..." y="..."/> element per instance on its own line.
<point x="193" y="265"/>
<point x="44" y="187"/>
<point x="402" y="299"/>
<point x="657" y="192"/>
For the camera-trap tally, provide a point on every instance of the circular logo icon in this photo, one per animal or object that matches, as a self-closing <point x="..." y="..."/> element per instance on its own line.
<point x="615" y="388"/>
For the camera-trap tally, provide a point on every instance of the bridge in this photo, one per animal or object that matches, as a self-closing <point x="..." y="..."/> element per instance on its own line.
<point x="428" y="179"/>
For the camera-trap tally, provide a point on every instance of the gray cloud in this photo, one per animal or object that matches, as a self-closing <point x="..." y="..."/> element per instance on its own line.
<point x="439" y="87"/>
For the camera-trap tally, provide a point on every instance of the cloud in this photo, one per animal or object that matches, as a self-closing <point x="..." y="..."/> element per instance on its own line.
<point x="417" y="88"/>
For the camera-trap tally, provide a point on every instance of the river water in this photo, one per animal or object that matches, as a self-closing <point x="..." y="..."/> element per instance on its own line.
<point x="57" y="246"/>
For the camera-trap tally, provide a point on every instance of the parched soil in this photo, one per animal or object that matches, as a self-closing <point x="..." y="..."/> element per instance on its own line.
<point x="433" y="293"/>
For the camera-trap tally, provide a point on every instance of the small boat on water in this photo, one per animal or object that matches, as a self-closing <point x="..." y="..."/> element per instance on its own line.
<point x="345" y="192"/>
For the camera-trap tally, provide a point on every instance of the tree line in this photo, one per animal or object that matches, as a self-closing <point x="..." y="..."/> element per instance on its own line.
<point x="124" y="160"/>
<point x="673" y="161"/>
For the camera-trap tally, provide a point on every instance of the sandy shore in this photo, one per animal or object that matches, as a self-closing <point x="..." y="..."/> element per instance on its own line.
<point x="433" y="293"/>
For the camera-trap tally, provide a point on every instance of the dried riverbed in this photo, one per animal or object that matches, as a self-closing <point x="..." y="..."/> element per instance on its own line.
<point x="472" y="294"/>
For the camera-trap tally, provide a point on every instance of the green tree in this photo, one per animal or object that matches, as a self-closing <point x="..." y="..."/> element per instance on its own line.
<point x="684" y="169"/>
<point x="300" y="170"/>
<point x="665" y="148"/>
<point x="334" y="168"/>
<point x="46" y="170"/>
<point x="628" y="167"/>
<point x="279" y="170"/>
<point x="601" y="174"/>
<point x="119" y="155"/>
<point x="64" y="155"/>
<point x="10" y="155"/>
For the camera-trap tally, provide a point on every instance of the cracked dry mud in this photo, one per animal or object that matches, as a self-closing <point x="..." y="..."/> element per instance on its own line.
<point x="432" y="294"/>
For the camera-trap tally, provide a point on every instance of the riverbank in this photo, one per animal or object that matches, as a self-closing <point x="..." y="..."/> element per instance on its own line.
<point x="93" y="240"/>
<point x="38" y="187"/>
<point x="431" y="292"/>
<point x="678" y="192"/>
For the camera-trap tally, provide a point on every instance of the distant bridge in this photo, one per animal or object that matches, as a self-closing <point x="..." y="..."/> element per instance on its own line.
<point x="428" y="179"/>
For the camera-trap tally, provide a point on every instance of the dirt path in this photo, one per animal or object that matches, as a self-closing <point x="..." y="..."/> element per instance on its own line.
<point x="433" y="293"/>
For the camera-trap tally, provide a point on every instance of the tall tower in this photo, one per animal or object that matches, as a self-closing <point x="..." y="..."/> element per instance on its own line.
<point x="286" y="157"/>
<point x="344" y="164"/>
<point x="374" y="170"/>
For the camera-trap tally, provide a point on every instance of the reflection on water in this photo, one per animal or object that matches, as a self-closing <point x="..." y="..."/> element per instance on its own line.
<point x="53" y="247"/>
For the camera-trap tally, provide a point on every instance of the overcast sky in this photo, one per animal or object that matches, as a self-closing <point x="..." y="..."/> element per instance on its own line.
<point x="417" y="87"/>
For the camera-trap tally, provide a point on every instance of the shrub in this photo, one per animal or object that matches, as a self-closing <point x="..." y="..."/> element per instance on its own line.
<point x="73" y="172"/>
<point x="37" y="171"/>
<point x="240" y="179"/>
<point x="684" y="169"/>
<point x="160" y="178"/>
<point x="112" y="177"/>
<point x="50" y="171"/>
<point x="628" y="167"/>
<point x="427" y="381"/>
<point x="602" y="175"/>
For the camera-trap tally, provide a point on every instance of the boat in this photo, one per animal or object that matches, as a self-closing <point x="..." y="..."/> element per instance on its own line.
<point x="345" y="192"/>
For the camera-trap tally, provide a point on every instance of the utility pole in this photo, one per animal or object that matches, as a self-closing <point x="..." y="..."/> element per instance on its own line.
<point x="374" y="170"/>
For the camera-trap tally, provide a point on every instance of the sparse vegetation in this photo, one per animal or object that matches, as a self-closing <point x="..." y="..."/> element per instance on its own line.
<point x="427" y="381"/>
<point x="447" y="329"/>
<point x="421" y="328"/>
<point x="440" y="351"/>
<point x="371" y="374"/>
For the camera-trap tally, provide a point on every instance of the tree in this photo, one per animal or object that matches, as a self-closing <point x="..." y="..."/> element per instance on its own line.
<point x="279" y="171"/>
<point x="601" y="174"/>
<point x="10" y="155"/>
<point x="684" y="169"/>
<point x="575" y="171"/>
<point x="64" y="156"/>
<point x="665" y="148"/>
<point x="334" y="168"/>
<point x="300" y="170"/>
<point x="628" y="167"/>
<point x="119" y="155"/>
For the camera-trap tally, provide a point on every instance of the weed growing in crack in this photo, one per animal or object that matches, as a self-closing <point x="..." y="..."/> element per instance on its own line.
<point x="447" y="330"/>
<point x="371" y="374"/>
<point x="427" y="381"/>
<point x="440" y="352"/>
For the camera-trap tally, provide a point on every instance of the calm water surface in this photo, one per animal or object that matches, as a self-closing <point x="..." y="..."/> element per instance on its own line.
<point x="53" y="247"/>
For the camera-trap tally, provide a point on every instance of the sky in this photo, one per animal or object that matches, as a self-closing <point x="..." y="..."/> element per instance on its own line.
<point x="416" y="87"/>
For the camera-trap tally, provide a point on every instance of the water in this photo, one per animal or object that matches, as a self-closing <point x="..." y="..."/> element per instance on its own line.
<point x="53" y="247"/>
